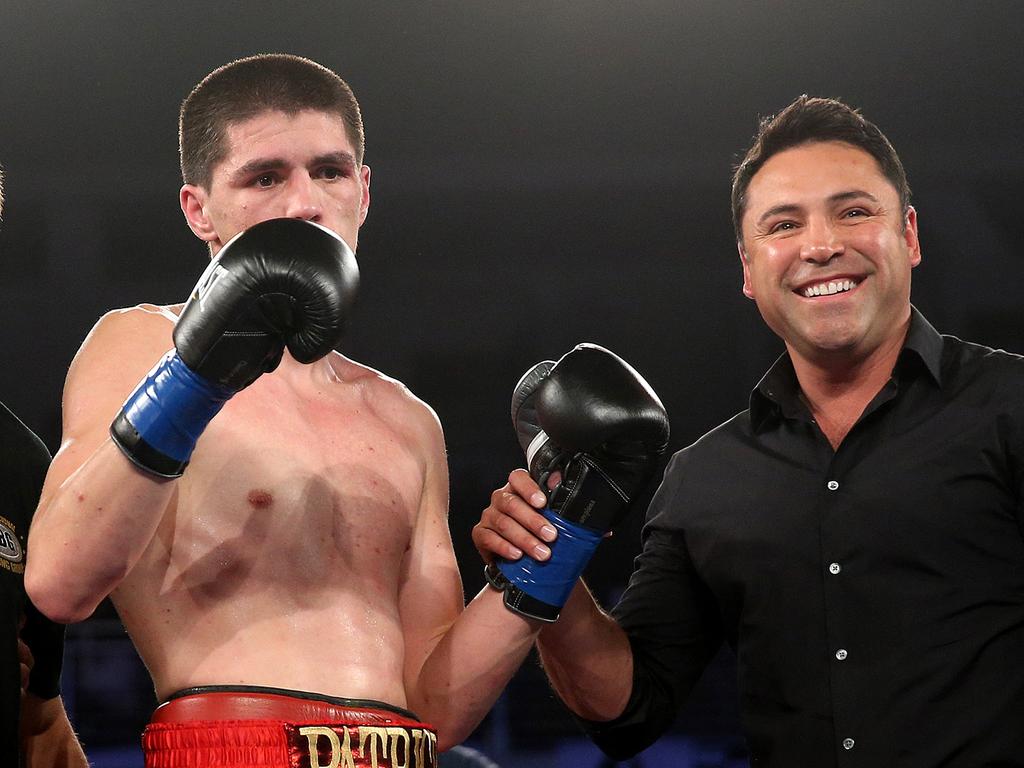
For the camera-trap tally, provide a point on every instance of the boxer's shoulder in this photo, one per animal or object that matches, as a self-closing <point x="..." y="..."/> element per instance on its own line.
<point x="122" y="346"/>
<point x="145" y="311"/>
<point x="140" y="322"/>
<point x="392" y="404"/>
<point x="389" y="398"/>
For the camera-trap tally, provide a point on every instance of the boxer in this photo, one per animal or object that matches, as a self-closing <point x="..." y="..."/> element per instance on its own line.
<point x="267" y="515"/>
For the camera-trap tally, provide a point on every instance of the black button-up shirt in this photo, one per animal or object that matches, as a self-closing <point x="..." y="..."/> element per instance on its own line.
<point x="874" y="595"/>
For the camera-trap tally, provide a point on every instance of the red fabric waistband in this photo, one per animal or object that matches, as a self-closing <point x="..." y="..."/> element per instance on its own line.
<point x="269" y="730"/>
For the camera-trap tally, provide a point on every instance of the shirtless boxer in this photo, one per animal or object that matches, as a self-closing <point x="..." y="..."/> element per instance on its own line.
<point x="295" y="590"/>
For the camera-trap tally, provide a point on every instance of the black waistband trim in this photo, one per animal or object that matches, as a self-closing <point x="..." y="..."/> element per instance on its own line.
<point x="308" y="696"/>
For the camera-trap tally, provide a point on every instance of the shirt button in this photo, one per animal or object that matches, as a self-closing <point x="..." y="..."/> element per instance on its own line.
<point x="847" y="743"/>
<point x="841" y="654"/>
<point x="834" y="568"/>
<point x="833" y="485"/>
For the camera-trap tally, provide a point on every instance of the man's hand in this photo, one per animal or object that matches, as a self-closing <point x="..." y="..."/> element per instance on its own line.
<point x="512" y="524"/>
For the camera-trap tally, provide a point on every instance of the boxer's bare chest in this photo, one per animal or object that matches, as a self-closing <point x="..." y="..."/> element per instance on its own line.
<point x="293" y="494"/>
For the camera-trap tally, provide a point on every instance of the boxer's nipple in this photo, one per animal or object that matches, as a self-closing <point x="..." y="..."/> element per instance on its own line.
<point x="260" y="499"/>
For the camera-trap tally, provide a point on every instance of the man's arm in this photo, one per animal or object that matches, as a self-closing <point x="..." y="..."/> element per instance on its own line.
<point x="98" y="511"/>
<point x="47" y="739"/>
<point x="623" y="675"/>
<point x="586" y="655"/>
<point x="457" y="661"/>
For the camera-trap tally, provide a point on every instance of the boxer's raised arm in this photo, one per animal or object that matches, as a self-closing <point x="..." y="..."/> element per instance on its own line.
<point x="98" y="511"/>
<point x="281" y="283"/>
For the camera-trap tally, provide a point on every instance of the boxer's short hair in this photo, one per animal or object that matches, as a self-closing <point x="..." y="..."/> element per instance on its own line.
<point x="248" y="87"/>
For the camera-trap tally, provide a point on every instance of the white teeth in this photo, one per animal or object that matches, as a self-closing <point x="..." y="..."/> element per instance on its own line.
<point x="828" y="289"/>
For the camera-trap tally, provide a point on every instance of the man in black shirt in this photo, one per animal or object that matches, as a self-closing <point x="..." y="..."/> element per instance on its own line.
<point x="856" y="535"/>
<point x="34" y="729"/>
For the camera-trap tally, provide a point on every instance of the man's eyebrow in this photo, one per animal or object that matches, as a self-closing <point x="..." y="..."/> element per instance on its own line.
<point x="335" y="158"/>
<point x="775" y="210"/>
<point x="257" y="165"/>
<point x="852" y="194"/>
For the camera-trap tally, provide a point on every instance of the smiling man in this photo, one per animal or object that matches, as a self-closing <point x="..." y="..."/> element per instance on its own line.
<point x="856" y="535"/>
<point x="827" y="244"/>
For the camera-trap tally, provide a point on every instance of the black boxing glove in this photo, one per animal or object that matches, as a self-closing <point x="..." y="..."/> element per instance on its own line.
<point x="594" y="419"/>
<point x="281" y="283"/>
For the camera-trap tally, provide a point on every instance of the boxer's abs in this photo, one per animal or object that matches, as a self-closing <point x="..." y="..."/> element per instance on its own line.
<point x="338" y="651"/>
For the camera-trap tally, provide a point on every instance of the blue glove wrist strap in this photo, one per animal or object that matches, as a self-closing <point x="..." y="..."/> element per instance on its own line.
<point x="162" y="419"/>
<point x="552" y="581"/>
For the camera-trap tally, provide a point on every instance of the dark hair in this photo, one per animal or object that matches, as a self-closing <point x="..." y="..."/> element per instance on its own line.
<point x="248" y="87"/>
<point x="809" y="120"/>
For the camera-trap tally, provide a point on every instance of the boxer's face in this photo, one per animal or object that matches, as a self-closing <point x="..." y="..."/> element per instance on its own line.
<point x="277" y="165"/>
<point x="825" y="252"/>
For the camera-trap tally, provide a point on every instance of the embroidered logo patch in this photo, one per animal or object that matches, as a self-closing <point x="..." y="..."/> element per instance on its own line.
<point x="12" y="554"/>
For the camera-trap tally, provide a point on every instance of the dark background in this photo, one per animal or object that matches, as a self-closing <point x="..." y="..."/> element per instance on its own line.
<point x="543" y="174"/>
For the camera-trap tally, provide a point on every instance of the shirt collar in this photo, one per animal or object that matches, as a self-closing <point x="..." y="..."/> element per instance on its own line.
<point x="778" y="389"/>
<point x="924" y="342"/>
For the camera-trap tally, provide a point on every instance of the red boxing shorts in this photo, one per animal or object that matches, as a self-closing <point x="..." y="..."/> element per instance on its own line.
<point x="256" y="727"/>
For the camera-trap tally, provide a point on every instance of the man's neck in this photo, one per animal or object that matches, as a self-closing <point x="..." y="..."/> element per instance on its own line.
<point x="301" y="373"/>
<point x="837" y="387"/>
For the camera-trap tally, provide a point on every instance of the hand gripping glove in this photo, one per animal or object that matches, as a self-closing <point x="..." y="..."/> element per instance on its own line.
<point x="281" y="283"/>
<point x="594" y="419"/>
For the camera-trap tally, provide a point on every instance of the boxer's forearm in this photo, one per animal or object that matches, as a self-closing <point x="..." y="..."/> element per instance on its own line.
<point x="470" y="667"/>
<point x="588" y="659"/>
<point x="89" y="531"/>
<point x="47" y="739"/>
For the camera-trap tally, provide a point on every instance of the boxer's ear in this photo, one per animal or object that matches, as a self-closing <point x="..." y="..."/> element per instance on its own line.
<point x="193" y="201"/>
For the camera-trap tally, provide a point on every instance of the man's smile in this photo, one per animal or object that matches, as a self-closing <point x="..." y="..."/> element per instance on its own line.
<point x="828" y="287"/>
